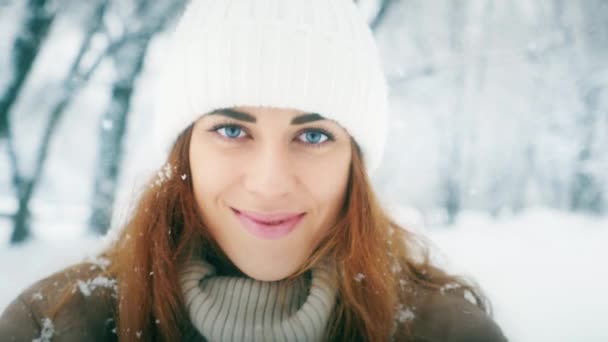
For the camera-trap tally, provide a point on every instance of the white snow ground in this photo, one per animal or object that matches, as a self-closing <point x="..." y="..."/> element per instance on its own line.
<point x="543" y="270"/>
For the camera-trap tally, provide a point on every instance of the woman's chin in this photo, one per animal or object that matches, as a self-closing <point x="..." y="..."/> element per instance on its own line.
<point x="268" y="271"/>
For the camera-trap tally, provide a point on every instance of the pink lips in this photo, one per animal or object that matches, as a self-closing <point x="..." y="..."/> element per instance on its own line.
<point x="269" y="226"/>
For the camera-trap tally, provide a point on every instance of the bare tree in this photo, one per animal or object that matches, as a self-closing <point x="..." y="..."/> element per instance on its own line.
<point x="29" y="39"/>
<point x="382" y="8"/>
<point x="586" y="191"/>
<point x="31" y="36"/>
<point x="76" y="78"/>
<point x="451" y="182"/>
<point x="129" y="60"/>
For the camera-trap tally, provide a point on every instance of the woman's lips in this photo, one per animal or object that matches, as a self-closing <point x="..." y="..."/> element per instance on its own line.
<point x="269" y="226"/>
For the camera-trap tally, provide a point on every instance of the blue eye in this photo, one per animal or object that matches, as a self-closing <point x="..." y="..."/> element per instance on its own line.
<point x="231" y="132"/>
<point x="313" y="137"/>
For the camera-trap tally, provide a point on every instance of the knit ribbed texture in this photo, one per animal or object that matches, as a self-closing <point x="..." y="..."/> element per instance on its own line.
<point x="243" y="309"/>
<point x="317" y="56"/>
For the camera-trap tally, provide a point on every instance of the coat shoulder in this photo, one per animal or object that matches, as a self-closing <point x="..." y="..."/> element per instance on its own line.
<point x="74" y="304"/>
<point x="453" y="316"/>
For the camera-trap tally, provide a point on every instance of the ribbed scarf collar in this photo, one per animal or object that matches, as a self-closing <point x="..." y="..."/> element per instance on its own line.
<point x="227" y="308"/>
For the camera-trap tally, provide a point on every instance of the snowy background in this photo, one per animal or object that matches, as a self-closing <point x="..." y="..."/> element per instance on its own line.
<point x="497" y="149"/>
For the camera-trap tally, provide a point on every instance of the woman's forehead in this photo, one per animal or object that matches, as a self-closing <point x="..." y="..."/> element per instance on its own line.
<point x="265" y="110"/>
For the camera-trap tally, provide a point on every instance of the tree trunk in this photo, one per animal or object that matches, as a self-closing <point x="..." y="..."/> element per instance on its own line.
<point x="451" y="170"/>
<point x="26" y="186"/>
<point x="112" y="133"/>
<point x="383" y="10"/>
<point x="25" y="49"/>
<point x="21" y="219"/>
<point x="129" y="63"/>
<point x="586" y="190"/>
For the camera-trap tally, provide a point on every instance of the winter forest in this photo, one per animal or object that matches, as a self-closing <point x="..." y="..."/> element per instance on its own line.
<point x="497" y="150"/>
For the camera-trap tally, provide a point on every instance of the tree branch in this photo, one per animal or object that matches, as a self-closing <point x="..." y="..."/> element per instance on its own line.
<point x="381" y="15"/>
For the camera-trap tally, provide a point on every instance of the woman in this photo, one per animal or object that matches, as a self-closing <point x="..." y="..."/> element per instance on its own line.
<point x="262" y="226"/>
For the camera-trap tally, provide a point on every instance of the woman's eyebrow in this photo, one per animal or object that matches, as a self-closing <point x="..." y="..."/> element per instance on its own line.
<point x="234" y="114"/>
<point x="302" y="119"/>
<point x="242" y="116"/>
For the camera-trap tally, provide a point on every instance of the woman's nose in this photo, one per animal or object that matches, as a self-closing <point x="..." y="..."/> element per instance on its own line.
<point x="270" y="174"/>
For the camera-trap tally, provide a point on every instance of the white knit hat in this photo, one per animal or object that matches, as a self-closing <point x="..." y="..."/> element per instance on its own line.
<point x="317" y="56"/>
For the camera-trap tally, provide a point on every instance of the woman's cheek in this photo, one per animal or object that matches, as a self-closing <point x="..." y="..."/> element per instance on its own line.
<point x="327" y="180"/>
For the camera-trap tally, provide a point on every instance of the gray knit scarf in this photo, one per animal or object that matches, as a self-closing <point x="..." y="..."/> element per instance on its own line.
<point x="224" y="308"/>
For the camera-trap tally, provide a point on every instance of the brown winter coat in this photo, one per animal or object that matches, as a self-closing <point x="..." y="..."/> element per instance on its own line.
<point x="439" y="317"/>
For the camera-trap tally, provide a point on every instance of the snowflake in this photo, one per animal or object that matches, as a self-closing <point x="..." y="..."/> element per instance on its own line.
<point x="405" y="315"/>
<point x="164" y="174"/>
<point x="448" y="287"/>
<point x="47" y="332"/>
<point x="87" y="287"/>
<point x="37" y="296"/>
<point x="469" y="297"/>
<point x="107" y="124"/>
<point x="100" y="262"/>
<point x="359" y="277"/>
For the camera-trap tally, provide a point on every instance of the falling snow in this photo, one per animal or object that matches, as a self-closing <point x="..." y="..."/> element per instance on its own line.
<point x="359" y="277"/>
<point x="107" y="124"/>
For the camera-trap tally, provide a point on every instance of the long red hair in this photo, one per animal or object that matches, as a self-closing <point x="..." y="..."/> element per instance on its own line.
<point x="379" y="262"/>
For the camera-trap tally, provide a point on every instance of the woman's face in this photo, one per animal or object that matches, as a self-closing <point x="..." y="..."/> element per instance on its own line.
<point x="269" y="184"/>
